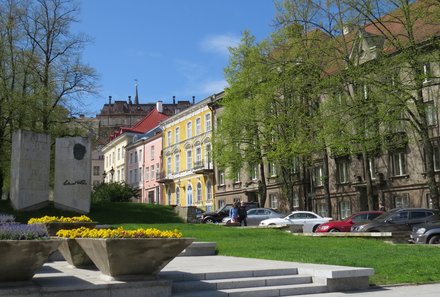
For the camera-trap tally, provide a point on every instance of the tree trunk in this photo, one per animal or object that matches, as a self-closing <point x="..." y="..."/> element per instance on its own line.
<point x="262" y="187"/>
<point x="369" y="186"/>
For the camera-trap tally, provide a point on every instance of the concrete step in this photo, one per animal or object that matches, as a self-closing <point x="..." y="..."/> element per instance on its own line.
<point x="269" y="291"/>
<point x="245" y="282"/>
<point x="182" y="276"/>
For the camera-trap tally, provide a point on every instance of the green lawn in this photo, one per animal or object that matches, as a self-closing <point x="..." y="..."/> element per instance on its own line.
<point x="393" y="264"/>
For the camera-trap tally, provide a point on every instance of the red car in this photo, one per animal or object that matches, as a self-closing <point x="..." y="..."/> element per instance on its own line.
<point x="345" y="225"/>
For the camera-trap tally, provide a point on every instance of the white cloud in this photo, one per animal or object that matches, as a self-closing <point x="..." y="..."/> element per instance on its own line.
<point x="220" y="43"/>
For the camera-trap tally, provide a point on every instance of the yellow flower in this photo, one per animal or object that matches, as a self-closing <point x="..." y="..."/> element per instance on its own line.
<point x="118" y="233"/>
<point x="62" y="219"/>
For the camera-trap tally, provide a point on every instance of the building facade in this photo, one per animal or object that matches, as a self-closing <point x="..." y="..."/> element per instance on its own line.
<point x="187" y="172"/>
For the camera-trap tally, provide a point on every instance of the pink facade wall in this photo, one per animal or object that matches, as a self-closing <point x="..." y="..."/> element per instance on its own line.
<point x="151" y="164"/>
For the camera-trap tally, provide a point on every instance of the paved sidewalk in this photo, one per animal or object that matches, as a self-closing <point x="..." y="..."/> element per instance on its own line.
<point x="432" y="290"/>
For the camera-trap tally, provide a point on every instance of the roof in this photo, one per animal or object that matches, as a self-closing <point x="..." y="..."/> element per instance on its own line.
<point x="150" y="121"/>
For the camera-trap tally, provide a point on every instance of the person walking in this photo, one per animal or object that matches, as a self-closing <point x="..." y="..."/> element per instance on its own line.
<point x="242" y="214"/>
<point x="233" y="213"/>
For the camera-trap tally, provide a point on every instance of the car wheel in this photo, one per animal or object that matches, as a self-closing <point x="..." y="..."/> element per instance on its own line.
<point x="208" y="221"/>
<point x="434" y="239"/>
<point x="333" y="230"/>
<point x="314" y="228"/>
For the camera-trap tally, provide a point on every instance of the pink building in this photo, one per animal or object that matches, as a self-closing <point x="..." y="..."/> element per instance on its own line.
<point x="152" y="148"/>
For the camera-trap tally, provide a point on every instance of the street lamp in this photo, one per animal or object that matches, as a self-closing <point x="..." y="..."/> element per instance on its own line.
<point x="104" y="174"/>
<point x="112" y="172"/>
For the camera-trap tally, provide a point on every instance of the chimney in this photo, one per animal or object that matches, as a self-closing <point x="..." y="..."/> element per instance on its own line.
<point x="159" y="106"/>
<point x="109" y="100"/>
<point x="174" y="100"/>
<point x="194" y="100"/>
<point x="129" y="100"/>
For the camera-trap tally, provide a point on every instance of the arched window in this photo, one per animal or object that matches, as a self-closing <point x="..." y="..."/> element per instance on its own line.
<point x="169" y="196"/>
<point x="208" y="191"/>
<point x="189" y="196"/>
<point x="177" y="195"/>
<point x="199" y="193"/>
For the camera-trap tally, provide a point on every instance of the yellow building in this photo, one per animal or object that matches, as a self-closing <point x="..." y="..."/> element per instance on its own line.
<point x="187" y="169"/>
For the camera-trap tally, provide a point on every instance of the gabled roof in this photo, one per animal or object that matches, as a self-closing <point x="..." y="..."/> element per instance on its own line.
<point x="149" y="122"/>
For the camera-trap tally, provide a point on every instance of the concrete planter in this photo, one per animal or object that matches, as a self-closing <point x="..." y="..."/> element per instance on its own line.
<point x="54" y="227"/>
<point x="74" y="254"/>
<point x="127" y="257"/>
<point x="20" y="259"/>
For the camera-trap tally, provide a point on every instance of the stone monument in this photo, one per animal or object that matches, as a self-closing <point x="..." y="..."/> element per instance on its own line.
<point x="30" y="167"/>
<point x="72" y="174"/>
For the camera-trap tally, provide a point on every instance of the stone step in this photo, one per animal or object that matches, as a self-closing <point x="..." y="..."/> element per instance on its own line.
<point x="181" y="276"/>
<point x="269" y="291"/>
<point x="245" y="282"/>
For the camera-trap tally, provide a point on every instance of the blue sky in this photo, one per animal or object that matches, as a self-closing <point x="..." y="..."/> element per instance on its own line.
<point x="172" y="47"/>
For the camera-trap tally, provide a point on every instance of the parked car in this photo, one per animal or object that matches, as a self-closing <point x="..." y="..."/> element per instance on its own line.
<point x="256" y="215"/>
<point x="345" y="225"/>
<point x="297" y="218"/>
<point x="426" y="233"/>
<point x="199" y="214"/>
<point x="217" y="216"/>
<point x="398" y="219"/>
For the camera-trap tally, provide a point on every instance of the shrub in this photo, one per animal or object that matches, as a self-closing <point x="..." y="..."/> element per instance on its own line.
<point x="113" y="192"/>
<point x="22" y="232"/>
<point x="118" y="233"/>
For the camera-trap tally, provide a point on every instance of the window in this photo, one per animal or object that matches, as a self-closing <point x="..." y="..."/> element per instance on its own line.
<point x="131" y="158"/>
<point x="399" y="163"/>
<point x="169" y="138"/>
<point x="95" y="170"/>
<point x="119" y="153"/>
<point x="322" y="209"/>
<point x="273" y="201"/>
<point x="140" y="156"/>
<point x="295" y="200"/>
<point x="221" y="177"/>
<point x="188" y="130"/>
<point x="207" y="122"/>
<point x="177" y="163"/>
<point x="253" y="174"/>
<point x="130" y="176"/>
<point x="157" y="170"/>
<point x="429" y="200"/>
<point x="198" y="156"/>
<point x="295" y="165"/>
<point x="199" y="193"/>
<point x="122" y="174"/>
<point x="272" y="169"/>
<point x="208" y="190"/>
<point x="152" y="152"/>
<point x="342" y="171"/>
<point x="345" y="207"/>
<point x="237" y="176"/>
<point x="177" y="195"/>
<point x="318" y="175"/>
<point x="431" y="113"/>
<point x="136" y="157"/>
<point x="436" y="156"/>
<point x="188" y="160"/>
<point x="177" y="135"/>
<point x="169" y="196"/>
<point x="147" y="173"/>
<point x="169" y="165"/>
<point x="152" y="172"/>
<point x="135" y="175"/>
<point x="189" y="196"/>
<point x="401" y="201"/>
<point x="118" y="175"/>
<point x="220" y="203"/>
<point x="198" y="126"/>
<point x="208" y="153"/>
<point x="427" y="73"/>
<point x="140" y="174"/>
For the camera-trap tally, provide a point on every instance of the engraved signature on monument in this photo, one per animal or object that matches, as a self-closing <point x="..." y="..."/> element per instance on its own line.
<point x="77" y="182"/>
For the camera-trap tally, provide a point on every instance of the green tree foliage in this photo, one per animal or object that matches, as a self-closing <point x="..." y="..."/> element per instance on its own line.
<point x="113" y="192"/>
<point x="42" y="77"/>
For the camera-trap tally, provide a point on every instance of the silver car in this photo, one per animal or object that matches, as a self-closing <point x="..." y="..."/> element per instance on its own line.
<point x="256" y="215"/>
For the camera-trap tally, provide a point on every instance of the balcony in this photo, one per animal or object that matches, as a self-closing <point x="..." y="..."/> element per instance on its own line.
<point x="201" y="167"/>
<point x="164" y="178"/>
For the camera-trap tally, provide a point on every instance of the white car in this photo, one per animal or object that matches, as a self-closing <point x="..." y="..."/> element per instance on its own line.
<point x="309" y="219"/>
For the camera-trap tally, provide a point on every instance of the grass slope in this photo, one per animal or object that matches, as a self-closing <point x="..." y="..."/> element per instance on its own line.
<point x="393" y="264"/>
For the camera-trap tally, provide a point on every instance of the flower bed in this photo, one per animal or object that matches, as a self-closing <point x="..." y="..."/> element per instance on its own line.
<point x="22" y="232"/>
<point x="126" y="253"/>
<point x="54" y="224"/>
<point x="6" y="218"/>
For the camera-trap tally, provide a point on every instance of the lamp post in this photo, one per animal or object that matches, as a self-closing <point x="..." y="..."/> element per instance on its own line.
<point x="104" y="174"/>
<point x="112" y="172"/>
